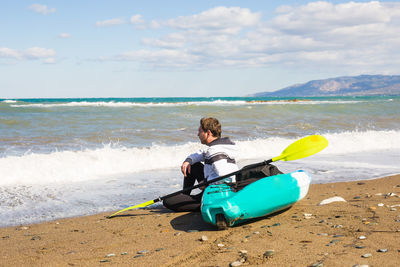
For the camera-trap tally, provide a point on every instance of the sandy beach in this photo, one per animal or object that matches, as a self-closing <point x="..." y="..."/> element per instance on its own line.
<point x="364" y="230"/>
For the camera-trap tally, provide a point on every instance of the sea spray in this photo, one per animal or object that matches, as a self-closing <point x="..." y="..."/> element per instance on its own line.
<point x="89" y="164"/>
<point x="110" y="160"/>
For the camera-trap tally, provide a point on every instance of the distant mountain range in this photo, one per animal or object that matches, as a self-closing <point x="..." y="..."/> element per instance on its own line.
<point x="342" y="86"/>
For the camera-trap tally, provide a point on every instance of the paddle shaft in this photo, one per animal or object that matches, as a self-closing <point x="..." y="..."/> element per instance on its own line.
<point x="255" y="165"/>
<point x="302" y="148"/>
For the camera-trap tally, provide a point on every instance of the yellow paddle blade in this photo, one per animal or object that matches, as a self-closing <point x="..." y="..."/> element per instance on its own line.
<point x="145" y="204"/>
<point x="302" y="148"/>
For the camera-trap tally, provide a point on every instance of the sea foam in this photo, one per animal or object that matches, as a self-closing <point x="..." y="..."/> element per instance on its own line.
<point x="111" y="161"/>
<point x="219" y="102"/>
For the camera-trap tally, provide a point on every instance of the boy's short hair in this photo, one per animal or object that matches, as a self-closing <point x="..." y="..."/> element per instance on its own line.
<point x="212" y="125"/>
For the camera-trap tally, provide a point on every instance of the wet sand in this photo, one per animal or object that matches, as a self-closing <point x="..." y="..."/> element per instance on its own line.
<point x="364" y="230"/>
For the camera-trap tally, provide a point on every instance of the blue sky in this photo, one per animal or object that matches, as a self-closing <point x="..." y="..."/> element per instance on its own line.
<point x="189" y="48"/>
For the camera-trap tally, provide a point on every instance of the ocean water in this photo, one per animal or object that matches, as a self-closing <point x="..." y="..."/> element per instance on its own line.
<point x="71" y="157"/>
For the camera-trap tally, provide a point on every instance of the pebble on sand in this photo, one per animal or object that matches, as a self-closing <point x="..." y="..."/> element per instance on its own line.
<point x="36" y="237"/>
<point x="330" y="200"/>
<point x="269" y="253"/>
<point x="137" y="256"/>
<point x="204" y="238"/>
<point x="308" y="216"/>
<point x="235" y="263"/>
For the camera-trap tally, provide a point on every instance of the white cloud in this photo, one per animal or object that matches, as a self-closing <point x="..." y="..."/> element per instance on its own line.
<point x="38" y="52"/>
<point x="33" y="53"/>
<point x="224" y="19"/>
<point x="41" y="9"/>
<point x="64" y="35"/>
<point x="110" y="22"/>
<point x="318" y="17"/>
<point x="353" y="35"/>
<point x="174" y="40"/>
<point x="136" y="19"/>
<point x="209" y="32"/>
<point x="49" y="61"/>
<point x="9" y="53"/>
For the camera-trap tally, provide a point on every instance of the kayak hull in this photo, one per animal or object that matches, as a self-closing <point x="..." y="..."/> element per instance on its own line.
<point x="260" y="198"/>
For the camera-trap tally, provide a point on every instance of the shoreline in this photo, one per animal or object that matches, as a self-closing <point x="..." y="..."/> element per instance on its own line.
<point x="363" y="230"/>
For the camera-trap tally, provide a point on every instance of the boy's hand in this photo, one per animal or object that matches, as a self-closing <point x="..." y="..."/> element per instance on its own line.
<point x="185" y="168"/>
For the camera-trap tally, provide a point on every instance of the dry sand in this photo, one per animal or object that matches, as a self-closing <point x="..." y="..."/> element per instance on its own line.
<point x="305" y="235"/>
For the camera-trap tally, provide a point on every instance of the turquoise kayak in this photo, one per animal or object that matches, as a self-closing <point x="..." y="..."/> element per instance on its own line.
<point x="222" y="206"/>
